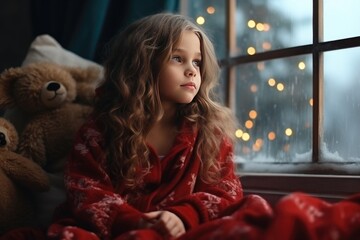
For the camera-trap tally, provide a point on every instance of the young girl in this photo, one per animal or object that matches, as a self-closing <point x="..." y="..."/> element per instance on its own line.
<point x="156" y="159"/>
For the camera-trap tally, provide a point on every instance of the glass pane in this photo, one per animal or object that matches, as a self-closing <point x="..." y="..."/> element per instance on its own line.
<point x="274" y="108"/>
<point x="341" y="105"/>
<point x="268" y="25"/>
<point x="341" y="19"/>
<point x="210" y="15"/>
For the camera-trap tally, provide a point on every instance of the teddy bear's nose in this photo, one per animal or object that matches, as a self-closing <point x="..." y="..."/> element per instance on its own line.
<point x="53" y="86"/>
<point x="2" y="139"/>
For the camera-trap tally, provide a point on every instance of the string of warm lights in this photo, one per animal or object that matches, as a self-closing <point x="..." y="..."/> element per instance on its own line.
<point x="244" y="135"/>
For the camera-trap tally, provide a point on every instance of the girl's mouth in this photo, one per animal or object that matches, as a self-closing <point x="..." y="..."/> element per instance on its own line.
<point x="190" y="85"/>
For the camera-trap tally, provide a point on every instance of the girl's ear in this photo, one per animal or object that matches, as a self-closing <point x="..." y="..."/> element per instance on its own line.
<point x="8" y="79"/>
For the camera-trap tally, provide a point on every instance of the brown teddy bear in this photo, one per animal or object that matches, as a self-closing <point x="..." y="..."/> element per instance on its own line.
<point x="55" y="101"/>
<point x="19" y="178"/>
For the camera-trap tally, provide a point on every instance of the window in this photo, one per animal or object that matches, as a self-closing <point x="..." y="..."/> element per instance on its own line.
<point x="290" y="73"/>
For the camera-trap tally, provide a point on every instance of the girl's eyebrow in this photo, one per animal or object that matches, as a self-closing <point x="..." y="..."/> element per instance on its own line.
<point x="183" y="50"/>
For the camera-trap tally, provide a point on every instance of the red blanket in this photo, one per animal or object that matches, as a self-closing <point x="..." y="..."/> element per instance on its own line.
<point x="295" y="216"/>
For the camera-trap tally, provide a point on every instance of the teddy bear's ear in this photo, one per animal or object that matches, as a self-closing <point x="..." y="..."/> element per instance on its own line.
<point x="90" y="75"/>
<point x="87" y="79"/>
<point x="7" y="79"/>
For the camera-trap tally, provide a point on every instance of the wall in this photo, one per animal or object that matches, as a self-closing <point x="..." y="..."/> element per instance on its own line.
<point x="15" y="32"/>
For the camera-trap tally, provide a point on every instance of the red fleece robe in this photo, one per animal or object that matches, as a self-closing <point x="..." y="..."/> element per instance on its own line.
<point x="173" y="184"/>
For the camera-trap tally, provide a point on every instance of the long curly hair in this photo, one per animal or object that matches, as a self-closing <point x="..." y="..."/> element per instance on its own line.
<point x="129" y="102"/>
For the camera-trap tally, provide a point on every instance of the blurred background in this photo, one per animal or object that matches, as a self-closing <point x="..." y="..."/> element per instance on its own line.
<point x="81" y="26"/>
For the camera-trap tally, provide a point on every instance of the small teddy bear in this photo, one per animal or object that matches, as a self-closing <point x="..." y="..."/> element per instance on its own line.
<point x="19" y="179"/>
<point x="54" y="101"/>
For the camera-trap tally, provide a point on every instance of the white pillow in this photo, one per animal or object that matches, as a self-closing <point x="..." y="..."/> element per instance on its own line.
<point x="46" y="49"/>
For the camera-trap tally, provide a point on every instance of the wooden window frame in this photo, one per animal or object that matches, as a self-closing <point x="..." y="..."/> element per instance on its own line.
<point x="317" y="48"/>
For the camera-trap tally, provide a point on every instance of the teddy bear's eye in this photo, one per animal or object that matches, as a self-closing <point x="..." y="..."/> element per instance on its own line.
<point x="2" y="139"/>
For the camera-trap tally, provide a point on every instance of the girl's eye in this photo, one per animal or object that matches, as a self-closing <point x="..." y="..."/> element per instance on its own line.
<point x="176" y="58"/>
<point x="197" y="63"/>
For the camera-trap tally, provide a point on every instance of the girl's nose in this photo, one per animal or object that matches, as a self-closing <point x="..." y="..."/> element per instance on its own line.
<point x="191" y="72"/>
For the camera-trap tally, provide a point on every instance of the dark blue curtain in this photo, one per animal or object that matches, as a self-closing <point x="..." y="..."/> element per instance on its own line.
<point x="84" y="26"/>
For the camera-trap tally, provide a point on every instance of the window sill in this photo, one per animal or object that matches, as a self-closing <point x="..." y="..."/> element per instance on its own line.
<point x="327" y="168"/>
<point x="273" y="186"/>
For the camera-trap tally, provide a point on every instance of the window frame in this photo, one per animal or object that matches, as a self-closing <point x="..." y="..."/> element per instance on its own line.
<point x="330" y="184"/>
<point x="317" y="48"/>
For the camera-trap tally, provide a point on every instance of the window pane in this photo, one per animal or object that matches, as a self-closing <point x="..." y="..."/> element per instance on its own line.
<point x="274" y="107"/>
<point x="268" y="25"/>
<point x="210" y="14"/>
<point x="341" y="19"/>
<point x="341" y="105"/>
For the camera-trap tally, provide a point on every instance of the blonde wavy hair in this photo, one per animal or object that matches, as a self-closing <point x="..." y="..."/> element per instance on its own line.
<point x="129" y="101"/>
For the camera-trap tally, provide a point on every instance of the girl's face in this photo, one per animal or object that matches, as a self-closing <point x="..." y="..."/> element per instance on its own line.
<point x="179" y="78"/>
